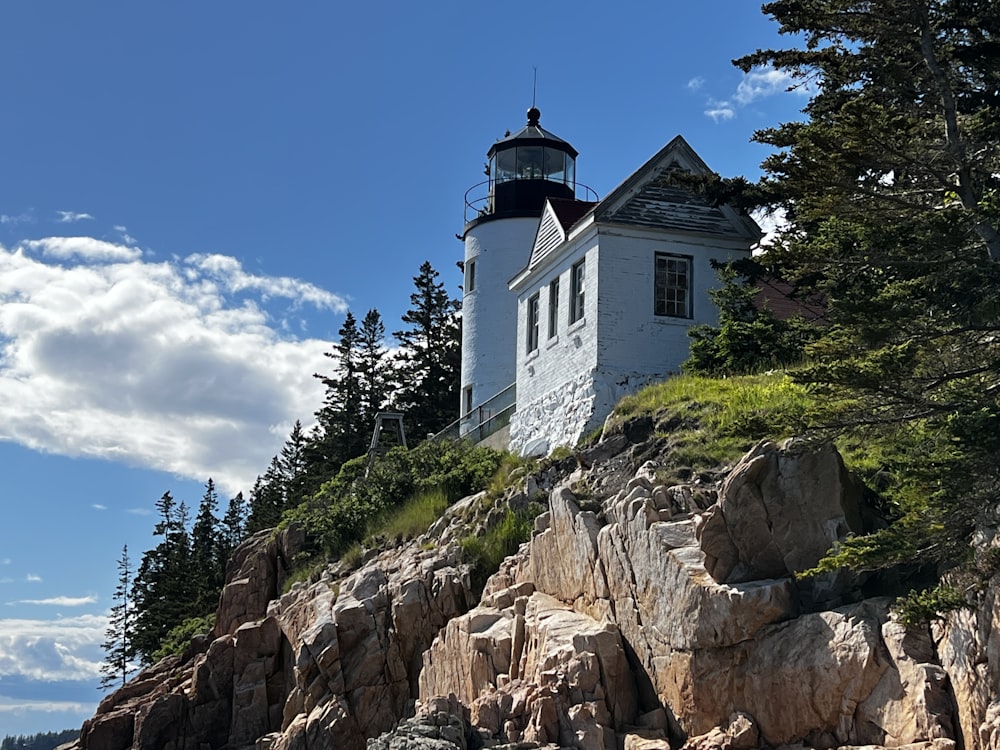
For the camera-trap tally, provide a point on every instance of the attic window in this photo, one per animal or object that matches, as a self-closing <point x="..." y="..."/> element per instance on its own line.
<point x="672" y="286"/>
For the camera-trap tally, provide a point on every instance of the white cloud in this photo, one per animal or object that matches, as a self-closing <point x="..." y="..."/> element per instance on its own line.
<point x="84" y="248"/>
<point x="720" y="111"/>
<point x="152" y="364"/>
<point x="19" y="219"/>
<point x="15" y="706"/>
<point x="757" y="84"/>
<point x="60" y="601"/>
<point x="98" y="506"/>
<point x="762" y="82"/>
<point x="52" y="650"/>
<point x="229" y="272"/>
<point x="6" y="561"/>
<point x="32" y="578"/>
<point x="67" y="217"/>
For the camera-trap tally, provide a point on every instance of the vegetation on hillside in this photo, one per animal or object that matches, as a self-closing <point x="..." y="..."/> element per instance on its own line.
<point x="891" y="196"/>
<point x="173" y="592"/>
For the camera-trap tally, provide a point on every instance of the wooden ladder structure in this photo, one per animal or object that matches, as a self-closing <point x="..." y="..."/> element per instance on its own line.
<point x="388" y="434"/>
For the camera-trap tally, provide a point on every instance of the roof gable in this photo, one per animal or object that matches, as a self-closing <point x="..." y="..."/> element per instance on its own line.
<point x="651" y="198"/>
<point x="558" y="217"/>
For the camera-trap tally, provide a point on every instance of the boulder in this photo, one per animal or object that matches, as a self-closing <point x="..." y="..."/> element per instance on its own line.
<point x="780" y="510"/>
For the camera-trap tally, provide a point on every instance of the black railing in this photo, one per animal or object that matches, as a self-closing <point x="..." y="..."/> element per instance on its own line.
<point x="478" y="200"/>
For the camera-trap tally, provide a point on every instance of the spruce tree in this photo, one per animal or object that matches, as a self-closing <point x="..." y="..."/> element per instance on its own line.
<point x="118" y="644"/>
<point x="206" y="565"/>
<point x="339" y="434"/>
<point x="891" y="188"/>
<point x="373" y="367"/>
<point x="429" y="365"/>
<point x="164" y="592"/>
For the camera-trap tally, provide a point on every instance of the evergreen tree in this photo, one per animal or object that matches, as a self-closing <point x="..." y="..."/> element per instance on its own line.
<point x="164" y="593"/>
<point x="429" y="369"/>
<point x="267" y="499"/>
<point x="748" y="338"/>
<point x="339" y="434"/>
<point x="233" y="527"/>
<point x="892" y="192"/>
<point x="292" y="465"/>
<point x="118" y="645"/>
<point x="207" y="566"/>
<point x="373" y="367"/>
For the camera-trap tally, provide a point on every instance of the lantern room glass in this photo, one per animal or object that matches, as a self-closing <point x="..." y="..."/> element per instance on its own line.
<point x="533" y="163"/>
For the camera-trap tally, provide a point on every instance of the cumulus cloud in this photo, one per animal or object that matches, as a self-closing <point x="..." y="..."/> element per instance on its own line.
<point x="761" y="82"/>
<point x="719" y="111"/>
<point x="83" y="248"/>
<point x="52" y="650"/>
<point x="755" y="85"/>
<point x="60" y="601"/>
<point x="68" y="217"/>
<point x="173" y="365"/>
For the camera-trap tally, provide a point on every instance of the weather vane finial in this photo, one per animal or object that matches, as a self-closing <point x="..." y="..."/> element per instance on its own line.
<point x="534" y="84"/>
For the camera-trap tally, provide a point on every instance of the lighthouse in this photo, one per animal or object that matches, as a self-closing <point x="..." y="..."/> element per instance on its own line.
<point x="502" y="215"/>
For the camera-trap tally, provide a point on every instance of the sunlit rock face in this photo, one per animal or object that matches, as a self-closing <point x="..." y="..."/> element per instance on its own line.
<point x="641" y="614"/>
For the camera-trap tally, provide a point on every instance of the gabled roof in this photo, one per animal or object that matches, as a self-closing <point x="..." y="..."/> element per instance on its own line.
<point x="558" y="216"/>
<point x="650" y="197"/>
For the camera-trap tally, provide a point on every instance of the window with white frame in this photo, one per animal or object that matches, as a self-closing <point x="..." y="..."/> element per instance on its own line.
<point x="672" y="285"/>
<point x="532" y="341"/>
<point x="576" y="283"/>
<point x="554" y="307"/>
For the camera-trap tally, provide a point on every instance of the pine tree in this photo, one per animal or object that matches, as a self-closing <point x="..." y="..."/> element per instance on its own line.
<point x="373" y="367"/>
<point x="339" y="433"/>
<point x="233" y="527"/>
<point x="891" y="187"/>
<point x="293" y="465"/>
<point x="118" y="644"/>
<point x="428" y="373"/>
<point x="164" y="593"/>
<point x="206" y="564"/>
<point x="267" y="499"/>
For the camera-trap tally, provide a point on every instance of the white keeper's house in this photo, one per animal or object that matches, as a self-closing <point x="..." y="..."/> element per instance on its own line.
<point x="571" y="302"/>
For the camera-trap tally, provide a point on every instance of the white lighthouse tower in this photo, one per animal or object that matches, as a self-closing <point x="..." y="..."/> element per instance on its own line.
<point x="502" y="216"/>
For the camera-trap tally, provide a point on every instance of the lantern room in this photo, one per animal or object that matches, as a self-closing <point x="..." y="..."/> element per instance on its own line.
<point x="526" y="168"/>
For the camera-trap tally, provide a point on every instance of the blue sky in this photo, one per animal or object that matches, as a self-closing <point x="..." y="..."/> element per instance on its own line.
<point x="193" y="194"/>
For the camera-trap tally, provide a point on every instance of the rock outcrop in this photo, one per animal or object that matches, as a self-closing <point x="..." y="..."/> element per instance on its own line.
<point x="641" y="614"/>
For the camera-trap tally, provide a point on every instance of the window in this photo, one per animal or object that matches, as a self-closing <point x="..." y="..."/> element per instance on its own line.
<point x="576" y="280"/>
<point x="467" y="398"/>
<point x="672" y="286"/>
<point x="554" y="308"/>
<point x="470" y="276"/>
<point x="532" y="324"/>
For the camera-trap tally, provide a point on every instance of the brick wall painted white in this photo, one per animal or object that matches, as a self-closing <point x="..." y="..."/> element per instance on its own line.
<point x="569" y="385"/>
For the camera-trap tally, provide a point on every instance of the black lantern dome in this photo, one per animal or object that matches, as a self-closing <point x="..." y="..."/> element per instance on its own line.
<point x="526" y="168"/>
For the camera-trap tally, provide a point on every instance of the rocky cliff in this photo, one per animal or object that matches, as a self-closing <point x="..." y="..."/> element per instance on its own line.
<point x="642" y="614"/>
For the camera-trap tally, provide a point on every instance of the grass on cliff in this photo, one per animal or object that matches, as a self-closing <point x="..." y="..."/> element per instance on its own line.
<point x="713" y="421"/>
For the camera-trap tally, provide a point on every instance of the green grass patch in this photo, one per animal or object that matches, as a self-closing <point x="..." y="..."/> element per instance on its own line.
<point x="713" y="421"/>
<point x="414" y="517"/>
<point x="485" y="553"/>
<point x="180" y="635"/>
